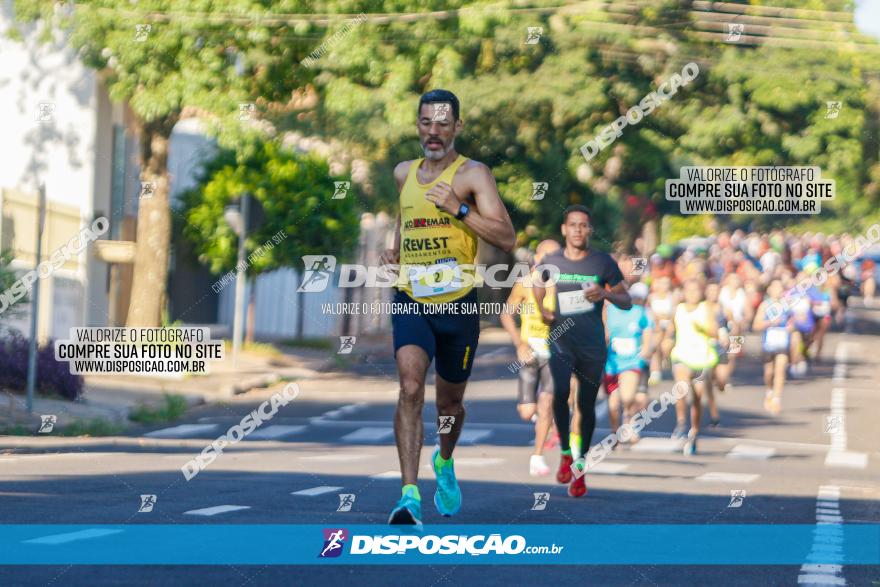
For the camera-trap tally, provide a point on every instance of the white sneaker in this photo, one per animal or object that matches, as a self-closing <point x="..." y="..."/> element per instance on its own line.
<point x="538" y="466"/>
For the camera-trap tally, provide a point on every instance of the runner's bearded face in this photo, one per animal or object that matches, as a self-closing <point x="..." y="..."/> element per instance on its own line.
<point x="437" y="129"/>
<point x="577" y="230"/>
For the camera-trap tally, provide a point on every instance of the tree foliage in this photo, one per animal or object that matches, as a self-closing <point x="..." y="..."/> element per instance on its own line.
<point x="295" y="193"/>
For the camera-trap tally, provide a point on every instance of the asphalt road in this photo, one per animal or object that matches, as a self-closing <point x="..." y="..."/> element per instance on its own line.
<point x="336" y="438"/>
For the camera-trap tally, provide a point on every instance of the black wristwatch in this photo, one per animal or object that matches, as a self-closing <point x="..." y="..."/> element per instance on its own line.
<point x="463" y="210"/>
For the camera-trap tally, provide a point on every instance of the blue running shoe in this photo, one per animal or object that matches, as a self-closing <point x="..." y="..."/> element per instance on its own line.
<point x="447" y="498"/>
<point x="408" y="511"/>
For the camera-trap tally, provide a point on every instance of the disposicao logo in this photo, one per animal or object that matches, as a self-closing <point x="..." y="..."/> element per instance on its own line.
<point x="334" y="540"/>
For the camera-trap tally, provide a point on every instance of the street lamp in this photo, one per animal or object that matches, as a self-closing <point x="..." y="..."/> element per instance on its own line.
<point x="236" y="216"/>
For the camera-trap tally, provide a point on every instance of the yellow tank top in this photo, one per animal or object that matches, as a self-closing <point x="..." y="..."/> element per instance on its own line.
<point x="532" y="329"/>
<point x="437" y="252"/>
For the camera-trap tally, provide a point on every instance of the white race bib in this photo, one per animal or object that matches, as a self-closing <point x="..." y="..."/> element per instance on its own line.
<point x="802" y="309"/>
<point x="540" y="347"/>
<point x="433" y="280"/>
<point x="777" y="339"/>
<point x="573" y="302"/>
<point x="822" y="308"/>
<point x="625" y="347"/>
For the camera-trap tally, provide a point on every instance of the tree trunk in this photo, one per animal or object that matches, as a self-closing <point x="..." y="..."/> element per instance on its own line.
<point x="153" y="228"/>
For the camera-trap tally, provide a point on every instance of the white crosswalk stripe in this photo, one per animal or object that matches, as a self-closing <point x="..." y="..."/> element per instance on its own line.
<point x="184" y="431"/>
<point x="313" y="491"/>
<point x="217" y="509"/>
<point x="751" y="451"/>
<point x="604" y="468"/>
<point x="473" y="436"/>
<point x="722" y="477"/>
<point x="369" y="434"/>
<point x="657" y="445"/>
<point x="846" y="458"/>
<point x="274" y="432"/>
<point x="386" y="475"/>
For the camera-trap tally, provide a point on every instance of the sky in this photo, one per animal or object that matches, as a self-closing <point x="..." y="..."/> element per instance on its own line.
<point x="868" y="16"/>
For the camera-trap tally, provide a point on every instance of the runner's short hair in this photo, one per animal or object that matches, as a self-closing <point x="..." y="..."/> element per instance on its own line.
<point x="439" y="97"/>
<point x="576" y="208"/>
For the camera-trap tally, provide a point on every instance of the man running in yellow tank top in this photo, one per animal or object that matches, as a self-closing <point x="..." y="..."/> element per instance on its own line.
<point x="535" y="402"/>
<point x="446" y="202"/>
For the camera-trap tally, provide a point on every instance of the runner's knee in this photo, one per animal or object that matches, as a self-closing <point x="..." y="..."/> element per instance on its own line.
<point x="450" y="403"/>
<point x="412" y="391"/>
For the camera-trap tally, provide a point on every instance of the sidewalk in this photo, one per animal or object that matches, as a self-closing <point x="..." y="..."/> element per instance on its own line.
<point x="111" y="398"/>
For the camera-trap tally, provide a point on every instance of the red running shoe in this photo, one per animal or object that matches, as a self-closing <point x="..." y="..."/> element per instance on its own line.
<point x="563" y="475"/>
<point x="578" y="487"/>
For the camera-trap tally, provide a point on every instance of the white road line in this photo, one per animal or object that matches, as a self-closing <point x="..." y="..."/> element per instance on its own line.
<point x="386" y="475"/>
<point x="827" y="542"/>
<point x="274" y="432"/>
<point x="722" y="477"/>
<point x="607" y="468"/>
<point x="815" y="579"/>
<point x="473" y="436"/>
<point x="339" y="458"/>
<point x="183" y="431"/>
<point x="832" y="511"/>
<point x="352" y="408"/>
<point x="71" y="536"/>
<point x="846" y="458"/>
<point x="478" y="462"/>
<point x="751" y="451"/>
<point x="369" y="434"/>
<point x="313" y="491"/>
<point x="657" y="445"/>
<point x="217" y="509"/>
<point x="822" y="569"/>
<point x="837" y="455"/>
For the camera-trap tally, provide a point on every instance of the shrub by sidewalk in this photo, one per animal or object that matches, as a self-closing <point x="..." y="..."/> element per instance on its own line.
<point x="53" y="377"/>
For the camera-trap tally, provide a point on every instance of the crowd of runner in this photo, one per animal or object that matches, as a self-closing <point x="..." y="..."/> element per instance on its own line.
<point x="692" y="306"/>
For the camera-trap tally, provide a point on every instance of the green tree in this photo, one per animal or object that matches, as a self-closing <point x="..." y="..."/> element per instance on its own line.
<point x="171" y="58"/>
<point x="299" y="215"/>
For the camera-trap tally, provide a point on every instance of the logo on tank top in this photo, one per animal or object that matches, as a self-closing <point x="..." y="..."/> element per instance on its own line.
<point x="426" y="223"/>
<point x="415" y="245"/>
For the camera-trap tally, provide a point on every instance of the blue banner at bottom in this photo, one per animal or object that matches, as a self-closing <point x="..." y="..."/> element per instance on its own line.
<point x="527" y="544"/>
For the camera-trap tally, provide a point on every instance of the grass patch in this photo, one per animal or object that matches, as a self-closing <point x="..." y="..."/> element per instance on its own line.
<point x="173" y="408"/>
<point x="321" y="344"/>
<point x="91" y="427"/>
<point x="261" y="348"/>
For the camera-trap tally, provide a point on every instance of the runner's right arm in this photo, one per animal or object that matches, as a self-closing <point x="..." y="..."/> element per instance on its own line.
<point x="507" y="315"/>
<point x="539" y="290"/>
<point x="760" y="323"/>
<point x="517" y="297"/>
<point x="392" y="256"/>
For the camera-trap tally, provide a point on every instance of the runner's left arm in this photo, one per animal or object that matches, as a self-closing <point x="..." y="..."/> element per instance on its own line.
<point x="618" y="296"/>
<point x="488" y="217"/>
